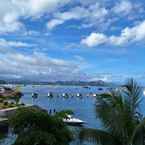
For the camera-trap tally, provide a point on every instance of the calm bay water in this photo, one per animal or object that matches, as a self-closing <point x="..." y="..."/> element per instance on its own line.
<point x="83" y="108"/>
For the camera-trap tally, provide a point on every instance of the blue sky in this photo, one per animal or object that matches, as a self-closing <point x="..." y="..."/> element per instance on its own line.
<point x="52" y="40"/>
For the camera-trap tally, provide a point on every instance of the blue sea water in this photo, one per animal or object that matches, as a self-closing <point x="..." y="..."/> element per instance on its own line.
<point x="83" y="108"/>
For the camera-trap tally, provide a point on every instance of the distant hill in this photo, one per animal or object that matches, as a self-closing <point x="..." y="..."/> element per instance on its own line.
<point x="2" y="82"/>
<point x="76" y="83"/>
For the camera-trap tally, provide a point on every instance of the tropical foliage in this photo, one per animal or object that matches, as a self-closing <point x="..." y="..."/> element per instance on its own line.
<point x="64" y="113"/>
<point x="119" y="113"/>
<point x="35" y="127"/>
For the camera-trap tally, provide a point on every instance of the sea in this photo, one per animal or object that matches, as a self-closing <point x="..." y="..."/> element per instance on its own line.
<point x="83" y="106"/>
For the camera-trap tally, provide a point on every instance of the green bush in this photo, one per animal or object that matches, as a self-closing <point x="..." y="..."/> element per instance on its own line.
<point x="35" y="127"/>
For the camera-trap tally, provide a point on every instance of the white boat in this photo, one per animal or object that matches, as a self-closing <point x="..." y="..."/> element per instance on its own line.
<point x="34" y="95"/>
<point x="64" y="95"/>
<point x="73" y="121"/>
<point x="79" y="95"/>
<point x="49" y="94"/>
<point x="94" y="95"/>
<point x="144" y="92"/>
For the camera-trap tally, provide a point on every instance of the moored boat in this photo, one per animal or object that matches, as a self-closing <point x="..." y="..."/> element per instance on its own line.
<point x="78" y="95"/>
<point x="144" y="92"/>
<point x="35" y="95"/>
<point x="50" y="94"/>
<point x="100" y="89"/>
<point x="73" y="121"/>
<point x="94" y="95"/>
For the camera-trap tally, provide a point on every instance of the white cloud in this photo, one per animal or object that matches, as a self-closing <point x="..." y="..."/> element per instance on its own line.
<point x="38" y="7"/>
<point x="39" y="66"/>
<point x="53" y="23"/>
<point x="115" y="78"/>
<point x="75" y="13"/>
<point x="106" y="77"/>
<point x="94" y="13"/>
<point x="6" y="43"/>
<point x="128" y="35"/>
<point x="128" y="9"/>
<point x="123" y="7"/>
<point x="9" y="23"/>
<point x="94" y="39"/>
<point x="12" y="10"/>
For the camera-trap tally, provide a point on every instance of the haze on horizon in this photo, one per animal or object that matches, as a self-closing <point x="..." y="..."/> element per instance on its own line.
<point x="72" y="40"/>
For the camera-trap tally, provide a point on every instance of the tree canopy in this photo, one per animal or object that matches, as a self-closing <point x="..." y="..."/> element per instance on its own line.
<point x="122" y="122"/>
<point x="35" y="127"/>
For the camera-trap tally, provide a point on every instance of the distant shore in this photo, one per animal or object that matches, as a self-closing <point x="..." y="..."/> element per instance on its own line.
<point x="62" y="83"/>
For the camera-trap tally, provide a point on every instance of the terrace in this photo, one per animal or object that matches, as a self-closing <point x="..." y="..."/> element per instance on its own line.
<point x="9" y="97"/>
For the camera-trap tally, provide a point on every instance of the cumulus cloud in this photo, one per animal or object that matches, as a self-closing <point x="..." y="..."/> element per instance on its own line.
<point x="92" y="13"/>
<point x="9" y="23"/>
<point x="39" y="7"/>
<point x="94" y="39"/>
<point x="123" y="7"/>
<point x="53" y="23"/>
<point x="95" y="14"/>
<point x="38" y="66"/>
<point x="6" y="43"/>
<point x="111" y="77"/>
<point x="127" y="35"/>
<point x="15" y="15"/>
<point x="12" y="10"/>
<point x="106" y="77"/>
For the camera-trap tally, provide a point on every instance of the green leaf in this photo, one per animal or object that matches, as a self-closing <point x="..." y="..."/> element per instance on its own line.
<point x="64" y="114"/>
<point x="138" y="137"/>
<point x="35" y="127"/>
<point x="98" y="136"/>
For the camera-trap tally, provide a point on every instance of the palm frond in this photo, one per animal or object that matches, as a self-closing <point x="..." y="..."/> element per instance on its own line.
<point x="132" y="94"/>
<point x="118" y="110"/>
<point x="35" y="137"/>
<point x="119" y="114"/>
<point x="98" y="136"/>
<point x="138" y="137"/>
<point x="111" y="111"/>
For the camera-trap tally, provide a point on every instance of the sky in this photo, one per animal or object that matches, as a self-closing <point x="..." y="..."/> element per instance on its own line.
<point x="88" y="40"/>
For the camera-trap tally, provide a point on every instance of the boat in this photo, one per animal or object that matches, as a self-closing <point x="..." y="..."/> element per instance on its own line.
<point x="73" y="121"/>
<point x="34" y="95"/>
<point x="144" y="92"/>
<point x="86" y="87"/>
<point x="100" y="89"/>
<point x="79" y="95"/>
<point x="64" y="94"/>
<point x="94" y="95"/>
<point x="50" y="94"/>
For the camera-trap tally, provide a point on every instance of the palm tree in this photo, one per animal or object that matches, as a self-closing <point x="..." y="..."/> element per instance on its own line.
<point x="119" y="113"/>
<point x="34" y="126"/>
